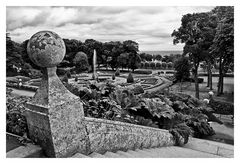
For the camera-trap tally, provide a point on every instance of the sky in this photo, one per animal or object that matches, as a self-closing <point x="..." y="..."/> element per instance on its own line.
<point x="150" y="27"/>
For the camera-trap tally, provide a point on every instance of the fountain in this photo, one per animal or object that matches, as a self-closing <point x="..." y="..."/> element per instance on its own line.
<point x="94" y="76"/>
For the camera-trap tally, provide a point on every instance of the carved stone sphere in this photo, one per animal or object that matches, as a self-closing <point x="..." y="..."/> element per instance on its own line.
<point x="46" y="49"/>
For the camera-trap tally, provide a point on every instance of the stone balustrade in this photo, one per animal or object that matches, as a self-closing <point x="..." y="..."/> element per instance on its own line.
<point x="55" y="116"/>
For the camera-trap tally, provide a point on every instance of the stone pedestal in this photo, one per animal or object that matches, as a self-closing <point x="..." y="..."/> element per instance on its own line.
<point x="55" y="116"/>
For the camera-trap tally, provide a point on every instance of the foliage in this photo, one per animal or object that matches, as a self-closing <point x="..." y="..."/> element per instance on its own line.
<point x="138" y="89"/>
<point x="68" y="74"/>
<point x="113" y="77"/>
<point x="164" y="65"/>
<point x="142" y="71"/>
<point x="117" y="73"/>
<point x="182" y="114"/>
<point x="182" y="68"/>
<point x="222" y="48"/>
<point x="81" y="62"/>
<point x="158" y="65"/>
<point x="16" y="121"/>
<point x="65" y="78"/>
<point x="130" y="78"/>
<point x="152" y="65"/>
<point x="221" y="107"/>
<point x="181" y="133"/>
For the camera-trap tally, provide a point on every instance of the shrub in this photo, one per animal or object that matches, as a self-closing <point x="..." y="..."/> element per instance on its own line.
<point x="130" y="78"/>
<point x="200" y="80"/>
<point x="16" y="121"/>
<point x="117" y="73"/>
<point x="164" y="65"/>
<point x="68" y="74"/>
<point x="181" y="133"/>
<point x="81" y="62"/>
<point x="147" y="65"/>
<point x="113" y="77"/>
<point x="158" y="65"/>
<point x="76" y="79"/>
<point x="65" y="78"/>
<point x="61" y="71"/>
<point x="221" y="107"/>
<point x="34" y="73"/>
<point x="138" y="89"/>
<point x="152" y="65"/>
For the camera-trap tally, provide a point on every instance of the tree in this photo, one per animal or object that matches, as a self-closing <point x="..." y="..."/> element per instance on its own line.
<point x="190" y="33"/>
<point x="123" y="60"/>
<point x="169" y="65"/>
<point x="134" y="61"/>
<point x="130" y="78"/>
<point x="158" y="57"/>
<point x="14" y="61"/>
<point x="223" y="43"/>
<point x="182" y="68"/>
<point x="164" y="65"/>
<point x="152" y="65"/>
<point x="158" y="65"/>
<point x="147" y="65"/>
<point x="81" y="62"/>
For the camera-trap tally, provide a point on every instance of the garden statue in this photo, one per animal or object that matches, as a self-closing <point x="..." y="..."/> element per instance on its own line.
<point x="55" y="116"/>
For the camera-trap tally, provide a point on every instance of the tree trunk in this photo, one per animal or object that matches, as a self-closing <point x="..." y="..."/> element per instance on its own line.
<point x="220" y="77"/>
<point x="209" y="84"/>
<point x="196" y="81"/>
<point x="181" y="86"/>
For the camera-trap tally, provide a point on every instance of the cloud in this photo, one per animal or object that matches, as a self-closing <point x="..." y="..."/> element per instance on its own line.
<point x="150" y="26"/>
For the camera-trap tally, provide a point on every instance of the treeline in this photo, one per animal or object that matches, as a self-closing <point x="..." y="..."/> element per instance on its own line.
<point x="114" y="54"/>
<point x="209" y="38"/>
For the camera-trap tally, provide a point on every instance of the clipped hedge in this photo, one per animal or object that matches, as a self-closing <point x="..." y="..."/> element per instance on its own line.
<point x="147" y="72"/>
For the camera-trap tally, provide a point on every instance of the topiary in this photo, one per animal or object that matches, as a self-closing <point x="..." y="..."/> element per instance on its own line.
<point x="65" y="78"/>
<point x="113" y="77"/>
<point x="68" y="74"/>
<point x="76" y="79"/>
<point x="130" y="78"/>
<point x="117" y="73"/>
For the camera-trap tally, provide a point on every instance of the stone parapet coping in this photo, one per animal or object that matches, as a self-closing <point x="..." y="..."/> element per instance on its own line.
<point x="90" y="119"/>
<point x="106" y="135"/>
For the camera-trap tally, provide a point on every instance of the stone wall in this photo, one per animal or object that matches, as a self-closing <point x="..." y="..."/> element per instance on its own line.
<point x="106" y="135"/>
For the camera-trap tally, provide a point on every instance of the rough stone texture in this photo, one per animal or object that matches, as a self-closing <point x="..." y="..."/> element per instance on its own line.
<point x="46" y="49"/>
<point x="55" y="116"/>
<point x="105" y="135"/>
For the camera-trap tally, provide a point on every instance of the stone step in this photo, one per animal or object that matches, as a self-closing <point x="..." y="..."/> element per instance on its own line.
<point x="211" y="147"/>
<point x="79" y="155"/>
<point x="138" y="154"/>
<point x="112" y="155"/>
<point x="96" y="155"/>
<point x="124" y="154"/>
<point x="162" y="152"/>
<point x="144" y="152"/>
<point x="179" y="152"/>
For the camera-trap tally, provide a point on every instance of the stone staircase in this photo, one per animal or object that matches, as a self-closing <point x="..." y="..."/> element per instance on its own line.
<point x="162" y="152"/>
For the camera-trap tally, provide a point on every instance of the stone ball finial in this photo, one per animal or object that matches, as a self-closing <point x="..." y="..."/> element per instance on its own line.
<point x="46" y="49"/>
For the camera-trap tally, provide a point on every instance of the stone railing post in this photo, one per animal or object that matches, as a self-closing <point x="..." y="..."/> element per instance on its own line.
<point x="55" y="116"/>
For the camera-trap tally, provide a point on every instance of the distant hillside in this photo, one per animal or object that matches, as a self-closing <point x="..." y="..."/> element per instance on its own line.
<point x="163" y="53"/>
